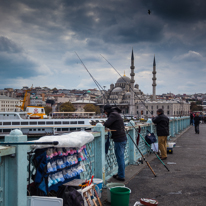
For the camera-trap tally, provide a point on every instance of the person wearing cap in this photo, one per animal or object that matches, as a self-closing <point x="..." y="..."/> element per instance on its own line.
<point x="162" y="125"/>
<point x="116" y="123"/>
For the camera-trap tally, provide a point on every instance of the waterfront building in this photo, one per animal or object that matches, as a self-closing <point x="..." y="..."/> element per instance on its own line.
<point x="37" y="100"/>
<point x="8" y="104"/>
<point x="171" y="108"/>
<point x="80" y="104"/>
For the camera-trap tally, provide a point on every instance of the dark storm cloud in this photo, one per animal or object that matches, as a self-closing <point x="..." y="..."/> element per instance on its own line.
<point x="6" y="45"/>
<point x="13" y="62"/>
<point x="16" y="66"/>
<point x="112" y="21"/>
<point x="120" y="22"/>
<point x="50" y="32"/>
<point x="178" y="11"/>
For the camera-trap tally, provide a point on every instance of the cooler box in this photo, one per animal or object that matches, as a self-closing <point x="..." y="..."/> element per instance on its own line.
<point x="170" y="146"/>
<point x="44" y="201"/>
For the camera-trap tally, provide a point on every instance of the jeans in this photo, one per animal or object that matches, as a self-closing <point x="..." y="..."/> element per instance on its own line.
<point x="197" y="130"/>
<point x="119" y="148"/>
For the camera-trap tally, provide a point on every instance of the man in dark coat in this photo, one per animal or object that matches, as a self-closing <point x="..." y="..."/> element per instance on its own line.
<point x="197" y="123"/>
<point x="162" y="125"/>
<point x="115" y="122"/>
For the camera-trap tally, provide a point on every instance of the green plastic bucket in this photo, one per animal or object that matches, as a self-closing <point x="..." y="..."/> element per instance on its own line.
<point x="120" y="196"/>
<point x="111" y="185"/>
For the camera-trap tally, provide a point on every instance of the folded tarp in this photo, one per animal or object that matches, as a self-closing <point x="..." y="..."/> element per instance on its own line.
<point x="74" y="140"/>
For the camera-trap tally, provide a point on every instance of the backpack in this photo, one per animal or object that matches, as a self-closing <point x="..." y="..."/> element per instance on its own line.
<point x="150" y="138"/>
<point x="71" y="197"/>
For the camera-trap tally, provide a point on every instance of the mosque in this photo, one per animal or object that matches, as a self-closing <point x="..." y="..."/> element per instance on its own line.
<point x="126" y="95"/>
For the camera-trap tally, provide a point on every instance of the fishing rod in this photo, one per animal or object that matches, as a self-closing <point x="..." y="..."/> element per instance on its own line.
<point x="127" y="132"/>
<point x="95" y="81"/>
<point x="132" y="124"/>
<point x="141" y="154"/>
<point x="149" y="146"/>
<point x="126" y="82"/>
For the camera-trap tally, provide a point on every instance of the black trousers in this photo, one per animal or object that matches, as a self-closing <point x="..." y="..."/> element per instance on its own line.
<point x="197" y="130"/>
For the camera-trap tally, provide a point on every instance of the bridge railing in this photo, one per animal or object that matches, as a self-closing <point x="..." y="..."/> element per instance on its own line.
<point x="14" y="164"/>
<point x="13" y="171"/>
<point x="103" y="165"/>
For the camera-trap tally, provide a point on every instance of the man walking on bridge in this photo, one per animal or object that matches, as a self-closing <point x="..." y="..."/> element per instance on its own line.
<point x="162" y="124"/>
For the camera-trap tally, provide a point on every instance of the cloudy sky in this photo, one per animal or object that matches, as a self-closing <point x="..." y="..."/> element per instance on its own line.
<point x="38" y="40"/>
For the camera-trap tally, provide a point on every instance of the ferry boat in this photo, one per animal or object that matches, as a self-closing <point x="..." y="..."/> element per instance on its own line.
<point x="40" y="127"/>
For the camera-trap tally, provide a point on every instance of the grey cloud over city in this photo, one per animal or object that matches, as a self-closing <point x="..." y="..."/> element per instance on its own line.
<point x="38" y="40"/>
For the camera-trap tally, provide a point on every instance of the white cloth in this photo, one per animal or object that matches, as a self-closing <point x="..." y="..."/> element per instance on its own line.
<point x="154" y="147"/>
<point x="74" y="139"/>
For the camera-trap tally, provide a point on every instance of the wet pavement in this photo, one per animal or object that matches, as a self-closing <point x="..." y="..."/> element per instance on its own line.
<point x="184" y="184"/>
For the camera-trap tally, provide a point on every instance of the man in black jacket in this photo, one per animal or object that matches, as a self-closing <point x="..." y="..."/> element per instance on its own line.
<point x="162" y="124"/>
<point x="115" y="122"/>
<point x="197" y="123"/>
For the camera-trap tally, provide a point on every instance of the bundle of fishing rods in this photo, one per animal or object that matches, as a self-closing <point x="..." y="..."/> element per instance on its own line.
<point x="107" y="102"/>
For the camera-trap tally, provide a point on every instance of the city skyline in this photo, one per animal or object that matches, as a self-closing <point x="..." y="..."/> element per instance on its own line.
<point x="38" y="40"/>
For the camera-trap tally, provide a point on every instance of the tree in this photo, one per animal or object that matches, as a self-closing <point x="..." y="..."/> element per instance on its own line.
<point x="92" y="108"/>
<point x="55" y="90"/>
<point x="195" y="107"/>
<point x="47" y="110"/>
<point x="67" y="107"/>
<point x="98" y="111"/>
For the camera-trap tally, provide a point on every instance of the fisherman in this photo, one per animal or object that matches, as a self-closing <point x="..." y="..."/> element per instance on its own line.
<point x="162" y="124"/>
<point x="197" y="123"/>
<point x="115" y="122"/>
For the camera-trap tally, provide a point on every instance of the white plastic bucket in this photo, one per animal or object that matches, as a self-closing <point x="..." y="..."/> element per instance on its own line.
<point x="111" y="185"/>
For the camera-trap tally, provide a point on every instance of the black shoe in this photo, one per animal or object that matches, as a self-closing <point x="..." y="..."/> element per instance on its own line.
<point x="115" y="175"/>
<point x="120" y="179"/>
<point x="163" y="158"/>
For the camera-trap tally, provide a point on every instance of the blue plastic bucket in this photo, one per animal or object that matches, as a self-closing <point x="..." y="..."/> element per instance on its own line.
<point x="99" y="184"/>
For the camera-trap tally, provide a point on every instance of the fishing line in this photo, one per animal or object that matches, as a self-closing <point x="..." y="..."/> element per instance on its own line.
<point x="95" y="81"/>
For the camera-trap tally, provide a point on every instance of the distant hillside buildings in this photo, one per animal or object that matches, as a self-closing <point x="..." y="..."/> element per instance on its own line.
<point x="124" y="93"/>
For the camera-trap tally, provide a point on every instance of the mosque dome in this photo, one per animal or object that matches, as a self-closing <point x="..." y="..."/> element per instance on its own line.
<point x="128" y="94"/>
<point x="123" y="79"/>
<point x="136" y="90"/>
<point x="117" y="89"/>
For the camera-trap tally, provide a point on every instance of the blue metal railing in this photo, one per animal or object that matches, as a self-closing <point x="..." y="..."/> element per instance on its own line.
<point x="109" y="165"/>
<point x="13" y="160"/>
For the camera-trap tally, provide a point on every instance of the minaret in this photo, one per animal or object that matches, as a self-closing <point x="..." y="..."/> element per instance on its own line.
<point x="132" y="74"/>
<point x="154" y="80"/>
